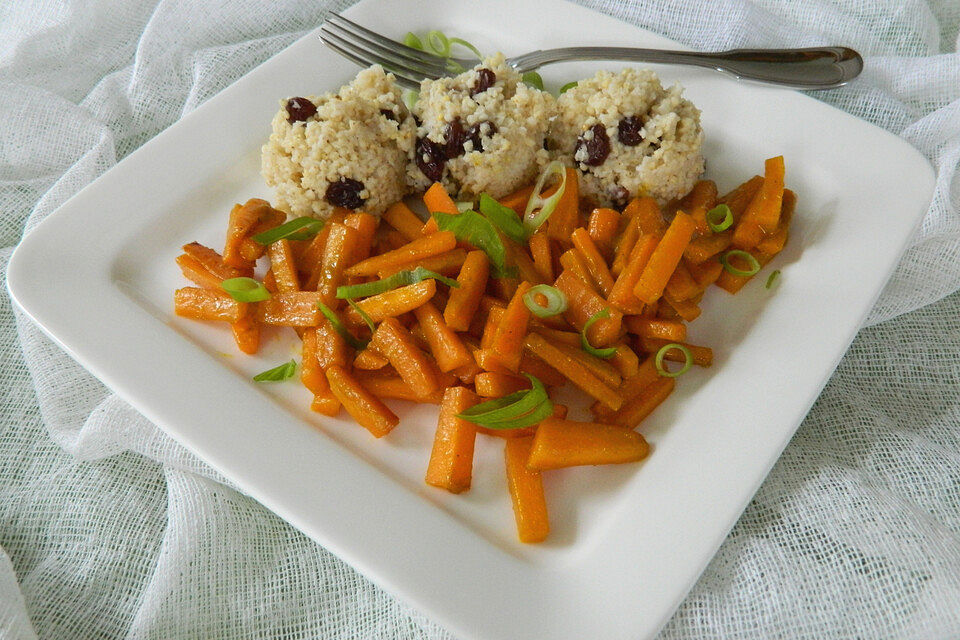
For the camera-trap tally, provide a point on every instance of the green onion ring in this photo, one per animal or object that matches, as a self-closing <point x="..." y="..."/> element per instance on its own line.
<point x="439" y="43"/>
<point x="606" y="352"/>
<point x="399" y="279"/>
<point x="410" y="98"/>
<point x="737" y="253"/>
<point x="568" y="86"/>
<point x="412" y="41"/>
<point x="773" y="279"/>
<point x="277" y="374"/>
<point x="556" y="301"/>
<point x="463" y="43"/>
<point x="688" y="362"/>
<point x="297" y="229"/>
<point x="245" y="289"/>
<point x="352" y="340"/>
<point x="533" y="79"/>
<point x="531" y="220"/>
<point x="719" y="218"/>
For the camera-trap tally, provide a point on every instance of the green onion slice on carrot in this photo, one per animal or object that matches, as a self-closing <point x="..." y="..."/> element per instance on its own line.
<point x="245" y="289"/>
<point x="606" y="352"/>
<point x="556" y="301"/>
<point x="520" y="409"/>
<point x="399" y="279"/>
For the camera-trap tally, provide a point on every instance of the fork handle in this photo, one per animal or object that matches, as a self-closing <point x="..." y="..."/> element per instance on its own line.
<point x="810" y="69"/>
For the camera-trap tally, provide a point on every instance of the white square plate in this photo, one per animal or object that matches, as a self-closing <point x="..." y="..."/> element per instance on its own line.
<point x="628" y="541"/>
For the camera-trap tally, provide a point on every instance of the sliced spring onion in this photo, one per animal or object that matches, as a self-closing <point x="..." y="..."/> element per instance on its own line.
<point x="719" y="218"/>
<point x="464" y="206"/>
<point x="439" y="43"/>
<point x="773" y="279"/>
<point x="520" y="409"/>
<point x="662" y="370"/>
<point x="556" y="301"/>
<point x="503" y="218"/>
<point x="473" y="228"/>
<point x="245" y="289"/>
<point x="743" y="255"/>
<point x="531" y="219"/>
<point x="606" y="352"/>
<point x="568" y="86"/>
<point x="399" y="279"/>
<point x="466" y="45"/>
<point x="412" y="41"/>
<point x="363" y="314"/>
<point x="277" y="374"/>
<point x="298" y="229"/>
<point x="533" y="79"/>
<point x="410" y="98"/>
<point x="352" y="340"/>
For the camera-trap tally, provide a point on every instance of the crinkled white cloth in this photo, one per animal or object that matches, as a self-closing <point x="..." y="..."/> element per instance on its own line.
<point x="109" y="529"/>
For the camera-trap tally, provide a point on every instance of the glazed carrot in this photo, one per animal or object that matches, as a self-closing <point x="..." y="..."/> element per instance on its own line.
<point x="269" y="282"/>
<point x="464" y="300"/>
<point x="400" y="217"/>
<point x="518" y="199"/>
<point x="311" y="260"/>
<point x="437" y="200"/>
<point x="664" y="259"/>
<point x="389" y="239"/>
<point x="506" y="347"/>
<point x="203" y="304"/>
<point x="773" y="243"/>
<point x="571" y="260"/>
<point x="282" y="266"/>
<point x="639" y="406"/>
<point x="556" y="336"/>
<point x="647" y="214"/>
<point x="364" y="407"/>
<point x="482" y="314"/>
<point x="594" y="261"/>
<point x="249" y="249"/>
<point x="654" y="328"/>
<point x="518" y="257"/>
<point x="575" y="371"/>
<point x="366" y="227"/>
<point x="706" y="247"/>
<point x="393" y="303"/>
<point x="603" y="370"/>
<point x="327" y="404"/>
<point x="447" y="348"/>
<point x="583" y="302"/>
<point x="536" y="367"/>
<point x="246" y="333"/>
<point x="686" y="309"/>
<point x="390" y="385"/>
<point x="624" y="246"/>
<point x="705" y="273"/>
<point x="621" y="294"/>
<point x="332" y="348"/>
<point x="602" y="227"/>
<point x="311" y="374"/>
<point x="369" y="360"/>
<point x="494" y="319"/>
<point x="337" y="256"/>
<point x="563" y="220"/>
<point x="702" y="198"/>
<point x="542" y="257"/>
<point x="765" y="207"/>
<point x="293" y="309"/>
<point x="740" y="197"/>
<point x="731" y="283"/>
<point x="630" y="388"/>
<point x="526" y="492"/>
<point x="243" y="218"/>
<point x="196" y="273"/>
<point x="213" y="262"/>
<point x="503" y="288"/>
<point x="398" y="346"/>
<point x="566" y="443"/>
<point x="494" y="384"/>
<point x="448" y="263"/>
<point x="451" y="460"/>
<point x="424" y="247"/>
<point x="702" y="356"/>
<point x="625" y="360"/>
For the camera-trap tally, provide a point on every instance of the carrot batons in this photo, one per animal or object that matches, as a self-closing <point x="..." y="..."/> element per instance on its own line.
<point x="583" y="303"/>
<point x="364" y="407"/>
<point x="540" y="250"/>
<point x="243" y="219"/>
<point x="400" y="217"/>
<point x="493" y="384"/>
<point x="763" y="213"/>
<point x="594" y="260"/>
<point x="641" y="405"/>
<point x="393" y="303"/>
<point x="447" y="263"/>
<point x="566" y="443"/>
<point x="574" y="370"/>
<point x="451" y="460"/>
<point x="398" y="346"/>
<point x="205" y="304"/>
<point x="293" y="309"/>
<point x="390" y="385"/>
<point x="246" y="333"/>
<point x="647" y="214"/>
<point x="424" y="247"/>
<point x="447" y="348"/>
<point x="702" y="198"/>
<point x="506" y="346"/>
<point x="564" y="218"/>
<point x="465" y="299"/>
<point x="195" y="272"/>
<point x="656" y="328"/>
<point x="282" y="266"/>
<point x="623" y="246"/>
<point x="664" y="259"/>
<point x="602" y="227"/>
<point x="702" y="356"/>
<point x="621" y="294"/>
<point x="437" y="200"/>
<point x="526" y="492"/>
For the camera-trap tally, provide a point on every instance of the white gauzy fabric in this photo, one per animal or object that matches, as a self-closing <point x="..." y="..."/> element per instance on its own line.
<point x="110" y="529"/>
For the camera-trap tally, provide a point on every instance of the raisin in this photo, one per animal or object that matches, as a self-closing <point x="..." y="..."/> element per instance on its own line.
<point x="475" y="135"/>
<point x="430" y="158"/>
<point x="345" y="193"/>
<point x="455" y="136"/>
<point x="389" y="115"/>
<point x="628" y="131"/>
<point x="597" y="148"/>
<point x="299" y="109"/>
<point x="618" y="195"/>
<point x="485" y="80"/>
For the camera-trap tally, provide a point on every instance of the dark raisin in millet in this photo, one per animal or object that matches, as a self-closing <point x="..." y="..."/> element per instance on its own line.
<point x="345" y="193"/>
<point x="619" y="195"/>
<point x="455" y="136"/>
<point x="389" y="115"/>
<point x="299" y="109"/>
<point x="476" y="134"/>
<point x="417" y="121"/>
<point x="430" y="158"/>
<point x="598" y="147"/>
<point x="485" y="80"/>
<point x="628" y="131"/>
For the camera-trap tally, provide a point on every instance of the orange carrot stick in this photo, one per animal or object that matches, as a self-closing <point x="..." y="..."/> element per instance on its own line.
<point x="596" y="265"/>
<point x="283" y="266"/>
<point x="602" y="227"/>
<point x="600" y="368"/>
<point x="542" y="257"/>
<point x="293" y="309"/>
<point x="447" y="348"/>
<point x="705" y="273"/>
<point x="671" y="330"/>
<point x="701" y="199"/>
<point x="572" y="261"/>
<point x="566" y="443"/>
<point x="204" y="304"/>
<point x="425" y="247"/>
<point x="494" y="384"/>
<point x="213" y="261"/>
<point x="647" y="214"/>
<point x="773" y="243"/>
<point x="621" y="294"/>
<point x="526" y="492"/>
<point x="418" y="370"/>
<point x="624" y="246"/>
<point x="686" y="309"/>
<point x="702" y="356"/>
<point x="518" y="257"/>
<point x="243" y="218"/>
<point x="437" y="200"/>
<point x="366" y="227"/>
<point x="574" y="370"/>
<point x="582" y="303"/>
<point x="400" y="217"/>
<point x="337" y="256"/>
<point x="464" y="300"/>
<point x="518" y="199"/>
<point x="765" y="207"/>
<point x="369" y="360"/>
<point x="364" y="407"/>
<point x="642" y="404"/>
<point x="563" y="220"/>
<point x="506" y="347"/>
<point x="664" y="259"/>
<point x="246" y="333"/>
<point x="196" y="273"/>
<point x="451" y="460"/>
<point x="625" y="360"/>
<point x="327" y="404"/>
<point x="393" y="303"/>
<point x="311" y="374"/>
<point x="448" y="263"/>
<point x="390" y="385"/>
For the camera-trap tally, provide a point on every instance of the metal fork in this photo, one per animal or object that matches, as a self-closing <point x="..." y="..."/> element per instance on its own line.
<point x="808" y="69"/>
